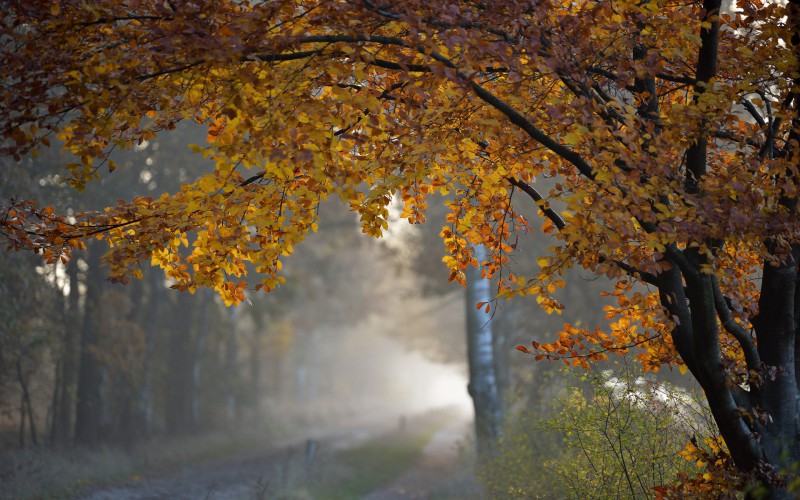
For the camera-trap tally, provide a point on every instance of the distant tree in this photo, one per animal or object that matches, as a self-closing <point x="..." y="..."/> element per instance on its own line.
<point x="28" y="326"/>
<point x="91" y="423"/>
<point x="670" y="129"/>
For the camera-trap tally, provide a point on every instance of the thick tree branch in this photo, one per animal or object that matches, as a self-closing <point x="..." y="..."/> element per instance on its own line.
<point x="649" y="278"/>
<point x="706" y="69"/>
<point x="560" y="224"/>
<point x="688" y="270"/>
<point x="751" y="109"/>
<point x="537" y="197"/>
<point x="610" y="116"/>
<point x="724" y="134"/>
<point x="411" y="68"/>
<point x="291" y="56"/>
<point x="117" y="19"/>
<point x="539" y="136"/>
<point x="379" y="39"/>
<point x="176" y="69"/>
<point x="661" y="76"/>
<point x="673" y="299"/>
<point x="741" y="335"/>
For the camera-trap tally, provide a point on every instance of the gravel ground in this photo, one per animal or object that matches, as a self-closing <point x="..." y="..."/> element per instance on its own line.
<point x="277" y="471"/>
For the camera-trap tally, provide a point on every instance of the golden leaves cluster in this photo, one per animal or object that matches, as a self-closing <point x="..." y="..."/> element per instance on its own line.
<point x="305" y="100"/>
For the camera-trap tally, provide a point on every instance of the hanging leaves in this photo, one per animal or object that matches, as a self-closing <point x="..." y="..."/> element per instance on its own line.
<point x="586" y="108"/>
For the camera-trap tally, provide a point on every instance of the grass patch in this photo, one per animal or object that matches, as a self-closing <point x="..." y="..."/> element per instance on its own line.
<point x="44" y="473"/>
<point x="358" y="471"/>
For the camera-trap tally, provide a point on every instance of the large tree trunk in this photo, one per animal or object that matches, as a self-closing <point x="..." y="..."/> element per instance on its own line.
<point x="480" y="353"/>
<point x="760" y="422"/>
<point x="777" y="329"/>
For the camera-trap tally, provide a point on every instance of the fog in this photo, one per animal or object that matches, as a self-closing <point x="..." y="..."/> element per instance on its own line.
<point x="356" y="334"/>
<point x="369" y="372"/>
<point x="365" y="332"/>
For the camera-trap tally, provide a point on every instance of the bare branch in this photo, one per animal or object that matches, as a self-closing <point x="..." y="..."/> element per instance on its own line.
<point x="176" y="69"/>
<point x="252" y="179"/>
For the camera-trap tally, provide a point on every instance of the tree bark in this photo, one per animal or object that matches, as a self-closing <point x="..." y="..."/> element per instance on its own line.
<point x="760" y="422"/>
<point x="480" y="352"/>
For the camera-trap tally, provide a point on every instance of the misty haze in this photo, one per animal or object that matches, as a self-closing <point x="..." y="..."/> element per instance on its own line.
<point x="429" y="249"/>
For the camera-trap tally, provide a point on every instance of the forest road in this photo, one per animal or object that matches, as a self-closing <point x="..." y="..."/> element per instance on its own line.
<point x="431" y="474"/>
<point x="279" y="471"/>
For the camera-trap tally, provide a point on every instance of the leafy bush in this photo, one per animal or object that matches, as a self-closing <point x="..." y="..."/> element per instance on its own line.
<point x="606" y="435"/>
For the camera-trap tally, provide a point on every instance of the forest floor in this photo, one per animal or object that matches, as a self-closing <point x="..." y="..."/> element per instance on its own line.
<point x="422" y="457"/>
<point x="441" y="471"/>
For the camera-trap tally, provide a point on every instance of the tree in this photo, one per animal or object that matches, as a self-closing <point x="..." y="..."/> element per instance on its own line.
<point x="90" y="404"/>
<point x="483" y="387"/>
<point x="28" y="328"/>
<point x="669" y="129"/>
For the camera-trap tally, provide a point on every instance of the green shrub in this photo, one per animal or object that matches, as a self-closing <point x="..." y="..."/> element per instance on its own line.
<point x="607" y="435"/>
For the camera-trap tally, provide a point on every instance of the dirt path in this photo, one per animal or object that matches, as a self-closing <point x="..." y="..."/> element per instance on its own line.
<point x="277" y="470"/>
<point x="435" y="469"/>
<point x="247" y="476"/>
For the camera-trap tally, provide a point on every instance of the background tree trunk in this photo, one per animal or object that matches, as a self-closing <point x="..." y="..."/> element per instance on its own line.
<point x="186" y="345"/>
<point x="480" y="352"/>
<point x="89" y="399"/>
<point x="62" y="420"/>
<point x="200" y="333"/>
<point x="150" y="321"/>
<point x="25" y="407"/>
<point x="178" y="407"/>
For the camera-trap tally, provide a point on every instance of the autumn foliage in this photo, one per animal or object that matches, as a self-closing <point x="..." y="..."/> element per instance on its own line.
<point x="657" y="139"/>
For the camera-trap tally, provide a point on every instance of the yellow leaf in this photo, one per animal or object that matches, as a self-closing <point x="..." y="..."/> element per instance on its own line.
<point x="572" y="139"/>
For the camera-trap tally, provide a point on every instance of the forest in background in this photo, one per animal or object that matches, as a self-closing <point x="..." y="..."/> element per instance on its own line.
<point x="363" y="329"/>
<point x="658" y="143"/>
<point x="86" y="361"/>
